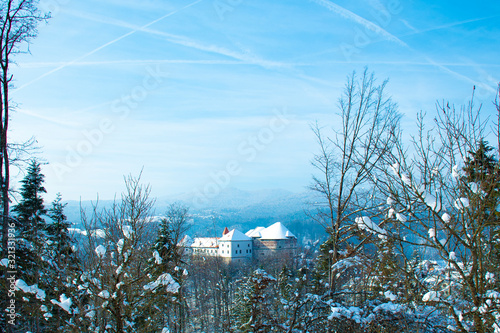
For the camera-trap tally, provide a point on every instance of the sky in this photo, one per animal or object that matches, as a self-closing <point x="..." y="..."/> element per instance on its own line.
<point x="204" y="95"/>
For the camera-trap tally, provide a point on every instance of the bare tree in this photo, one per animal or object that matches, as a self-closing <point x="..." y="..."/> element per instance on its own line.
<point x="18" y="25"/>
<point x="347" y="159"/>
<point x="497" y="124"/>
<point x="442" y="201"/>
<point x="115" y="256"/>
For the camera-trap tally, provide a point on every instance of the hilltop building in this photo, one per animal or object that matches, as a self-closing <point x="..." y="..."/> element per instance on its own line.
<point x="273" y="240"/>
<point x="258" y="243"/>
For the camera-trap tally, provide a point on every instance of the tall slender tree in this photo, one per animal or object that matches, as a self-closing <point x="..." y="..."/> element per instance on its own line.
<point x="18" y="26"/>
<point x="31" y="246"/>
<point x="60" y="241"/>
<point x="30" y="209"/>
<point x="347" y="160"/>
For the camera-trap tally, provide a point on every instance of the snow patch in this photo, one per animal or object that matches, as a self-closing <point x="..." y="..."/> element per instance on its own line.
<point x="365" y="223"/>
<point x="127" y="231"/>
<point x="395" y="168"/>
<point x="431" y="296"/>
<point x="104" y="294"/>
<point x="119" y="245"/>
<point x="461" y="203"/>
<point x="474" y="187"/>
<point x="456" y="172"/>
<point x="157" y="257"/>
<point x="406" y="179"/>
<point x="390" y="296"/>
<point x="432" y="202"/>
<point x="164" y="280"/>
<point x="100" y="250"/>
<point x="401" y="218"/>
<point x="64" y="303"/>
<point x="446" y="217"/>
<point x="39" y="293"/>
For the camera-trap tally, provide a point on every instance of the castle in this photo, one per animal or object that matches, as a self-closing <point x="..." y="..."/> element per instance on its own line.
<point x="258" y="243"/>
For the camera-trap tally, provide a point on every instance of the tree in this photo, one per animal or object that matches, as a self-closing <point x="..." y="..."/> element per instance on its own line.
<point x="347" y="161"/>
<point x="18" y="22"/>
<point x="18" y="26"/>
<point x="30" y="223"/>
<point x="253" y="303"/>
<point x="168" y="311"/>
<point x="441" y="203"/>
<point x="31" y="254"/>
<point x="116" y="289"/>
<point x="61" y="243"/>
<point x="63" y="263"/>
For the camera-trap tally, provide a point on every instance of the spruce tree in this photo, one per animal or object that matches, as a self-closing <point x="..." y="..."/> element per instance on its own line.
<point x="61" y="244"/>
<point x="62" y="263"/>
<point x="481" y="184"/>
<point x="30" y="209"/>
<point x="167" y="258"/>
<point x="32" y="259"/>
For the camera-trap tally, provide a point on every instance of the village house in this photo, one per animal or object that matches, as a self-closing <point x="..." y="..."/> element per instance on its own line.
<point x="258" y="243"/>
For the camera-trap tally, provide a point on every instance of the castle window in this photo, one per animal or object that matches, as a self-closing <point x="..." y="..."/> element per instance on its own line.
<point x="238" y="245"/>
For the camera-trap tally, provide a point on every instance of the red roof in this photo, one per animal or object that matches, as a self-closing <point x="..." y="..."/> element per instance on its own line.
<point x="226" y="230"/>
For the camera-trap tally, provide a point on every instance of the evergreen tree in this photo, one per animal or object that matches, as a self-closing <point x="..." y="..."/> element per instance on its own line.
<point x="253" y="303"/>
<point x="63" y="262"/>
<point x="481" y="165"/>
<point x="481" y="184"/>
<point x="170" y="311"/>
<point x="32" y="259"/>
<point x="61" y="244"/>
<point x="30" y="209"/>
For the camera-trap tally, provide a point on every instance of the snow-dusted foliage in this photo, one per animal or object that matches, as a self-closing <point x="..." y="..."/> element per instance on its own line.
<point x="451" y="222"/>
<point x="434" y="206"/>
<point x="117" y="287"/>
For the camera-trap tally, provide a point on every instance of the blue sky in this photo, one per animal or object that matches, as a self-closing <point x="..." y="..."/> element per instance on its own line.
<point x="207" y="94"/>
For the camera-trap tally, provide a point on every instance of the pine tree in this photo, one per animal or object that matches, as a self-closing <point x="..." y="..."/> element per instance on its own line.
<point x="481" y="165"/>
<point x="481" y="184"/>
<point x="253" y="303"/>
<point x="63" y="263"/>
<point x="32" y="259"/>
<point x="167" y="258"/>
<point x="61" y="243"/>
<point x="30" y="224"/>
<point x="30" y="209"/>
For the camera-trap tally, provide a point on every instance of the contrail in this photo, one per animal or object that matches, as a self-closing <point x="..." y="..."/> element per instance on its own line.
<point x="358" y="19"/>
<point x="188" y="42"/>
<point x="133" y="62"/>
<point x="105" y="45"/>
<point x="444" y="26"/>
<point x="375" y="28"/>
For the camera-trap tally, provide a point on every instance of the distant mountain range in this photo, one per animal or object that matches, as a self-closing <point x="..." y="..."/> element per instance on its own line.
<point x="235" y="208"/>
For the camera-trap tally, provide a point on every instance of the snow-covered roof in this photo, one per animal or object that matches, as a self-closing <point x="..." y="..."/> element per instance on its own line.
<point x="275" y="231"/>
<point x="255" y="233"/>
<point x="186" y="241"/>
<point x="235" y="235"/>
<point x="204" y="242"/>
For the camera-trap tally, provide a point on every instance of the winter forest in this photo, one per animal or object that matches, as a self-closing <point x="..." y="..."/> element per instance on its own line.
<point x="411" y="232"/>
